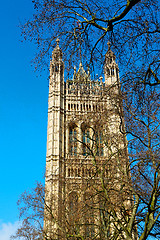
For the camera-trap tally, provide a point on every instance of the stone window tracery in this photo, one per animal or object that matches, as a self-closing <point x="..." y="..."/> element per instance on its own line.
<point x="98" y="142"/>
<point x="73" y="140"/>
<point x="85" y="140"/>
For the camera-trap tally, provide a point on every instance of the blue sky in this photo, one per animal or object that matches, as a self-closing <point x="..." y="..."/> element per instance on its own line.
<point x="23" y="114"/>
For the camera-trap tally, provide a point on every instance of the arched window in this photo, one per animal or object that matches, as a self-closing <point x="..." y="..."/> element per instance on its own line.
<point x="99" y="143"/>
<point x="108" y="71"/>
<point x="56" y="68"/>
<point x="87" y="106"/>
<point x="73" y="140"/>
<point x="83" y="106"/>
<point x="69" y="172"/>
<point x="85" y="140"/>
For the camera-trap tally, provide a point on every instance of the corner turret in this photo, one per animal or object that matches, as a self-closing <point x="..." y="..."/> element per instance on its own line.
<point x="111" y="71"/>
<point x="57" y="65"/>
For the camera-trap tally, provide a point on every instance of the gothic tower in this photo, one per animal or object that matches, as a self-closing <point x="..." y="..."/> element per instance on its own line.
<point x="84" y="148"/>
<point x="55" y="138"/>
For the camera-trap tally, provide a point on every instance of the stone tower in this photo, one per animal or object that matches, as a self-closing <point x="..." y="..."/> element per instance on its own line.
<point x="55" y="137"/>
<point x="83" y="142"/>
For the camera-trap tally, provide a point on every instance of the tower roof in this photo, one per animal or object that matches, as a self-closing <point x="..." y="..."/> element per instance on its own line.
<point x="81" y="74"/>
<point x="109" y="52"/>
<point x="81" y="70"/>
<point x="57" y="52"/>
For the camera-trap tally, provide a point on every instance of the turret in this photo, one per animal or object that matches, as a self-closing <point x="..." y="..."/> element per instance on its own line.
<point x="57" y="65"/>
<point x="110" y="68"/>
<point x="56" y="104"/>
<point x="55" y="141"/>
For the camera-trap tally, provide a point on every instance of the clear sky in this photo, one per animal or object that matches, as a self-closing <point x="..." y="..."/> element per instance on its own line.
<point x="23" y="114"/>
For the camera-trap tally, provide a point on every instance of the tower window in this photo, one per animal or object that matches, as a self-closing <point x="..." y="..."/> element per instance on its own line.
<point x="75" y="172"/>
<point x="69" y="173"/>
<point x="85" y="140"/>
<point x="108" y="72"/>
<point x="73" y="140"/>
<point x="99" y="144"/>
<point x="79" y="172"/>
<point x="56" y="68"/>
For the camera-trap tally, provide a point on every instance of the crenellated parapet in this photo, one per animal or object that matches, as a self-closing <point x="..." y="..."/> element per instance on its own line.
<point x="82" y="85"/>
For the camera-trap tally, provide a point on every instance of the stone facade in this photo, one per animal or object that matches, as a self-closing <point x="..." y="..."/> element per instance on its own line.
<point x="84" y="121"/>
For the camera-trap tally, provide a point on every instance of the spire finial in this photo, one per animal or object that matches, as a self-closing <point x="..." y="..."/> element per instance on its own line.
<point x="109" y="45"/>
<point x="57" y="52"/>
<point x="57" y="41"/>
